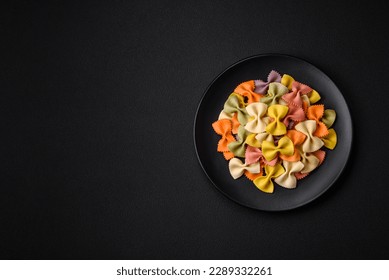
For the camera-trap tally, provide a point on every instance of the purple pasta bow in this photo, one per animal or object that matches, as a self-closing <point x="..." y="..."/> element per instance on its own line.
<point x="261" y="86"/>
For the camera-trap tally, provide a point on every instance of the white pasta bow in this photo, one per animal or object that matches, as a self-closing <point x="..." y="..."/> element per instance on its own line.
<point x="237" y="168"/>
<point x="257" y="112"/>
<point x="311" y="143"/>
<point x="287" y="179"/>
<point x="310" y="162"/>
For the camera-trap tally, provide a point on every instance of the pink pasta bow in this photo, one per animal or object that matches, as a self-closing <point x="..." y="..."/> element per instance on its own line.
<point x="294" y="97"/>
<point x="295" y="114"/>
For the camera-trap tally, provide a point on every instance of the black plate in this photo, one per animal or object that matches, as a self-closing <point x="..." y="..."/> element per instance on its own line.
<point x="242" y="190"/>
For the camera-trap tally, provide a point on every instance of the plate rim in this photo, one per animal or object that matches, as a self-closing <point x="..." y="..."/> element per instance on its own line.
<point x="289" y="207"/>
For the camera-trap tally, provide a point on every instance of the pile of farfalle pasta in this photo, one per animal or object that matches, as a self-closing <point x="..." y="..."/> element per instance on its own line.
<point x="274" y="130"/>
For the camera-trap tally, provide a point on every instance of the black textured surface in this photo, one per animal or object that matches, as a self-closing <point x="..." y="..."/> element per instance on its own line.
<point x="97" y="102"/>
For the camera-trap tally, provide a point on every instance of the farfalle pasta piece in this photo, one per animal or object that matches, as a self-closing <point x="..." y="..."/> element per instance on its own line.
<point x="284" y="147"/>
<point x="234" y="105"/>
<point x="274" y="93"/>
<point x="315" y="113"/>
<point x="295" y="114"/>
<point x="238" y="147"/>
<point x="233" y="118"/>
<point x="224" y="129"/>
<point x="261" y="86"/>
<point x="294" y="97"/>
<point x="264" y="183"/>
<point x="298" y="139"/>
<point x="255" y="140"/>
<point x="331" y="139"/>
<point x="288" y="179"/>
<point x="254" y="155"/>
<point x="329" y="117"/>
<point x="287" y="81"/>
<point x="237" y="168"/>
<point x="277" y="113"/>
<point x="258" y="121"/>
<point x="311" y="143"/>
<point x="246" y="89"/>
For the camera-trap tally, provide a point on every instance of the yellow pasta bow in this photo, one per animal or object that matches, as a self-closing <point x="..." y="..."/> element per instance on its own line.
<point x="237" y="168"/>
<point x="330" y="140"/>
<point x="277" y="112"/>
<point x="285" y="147"/>
<point x="287" y="179"/>
<point x="264" y="183"/>
<point x="258" y="123"/>
<point x="311" y="143"/>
